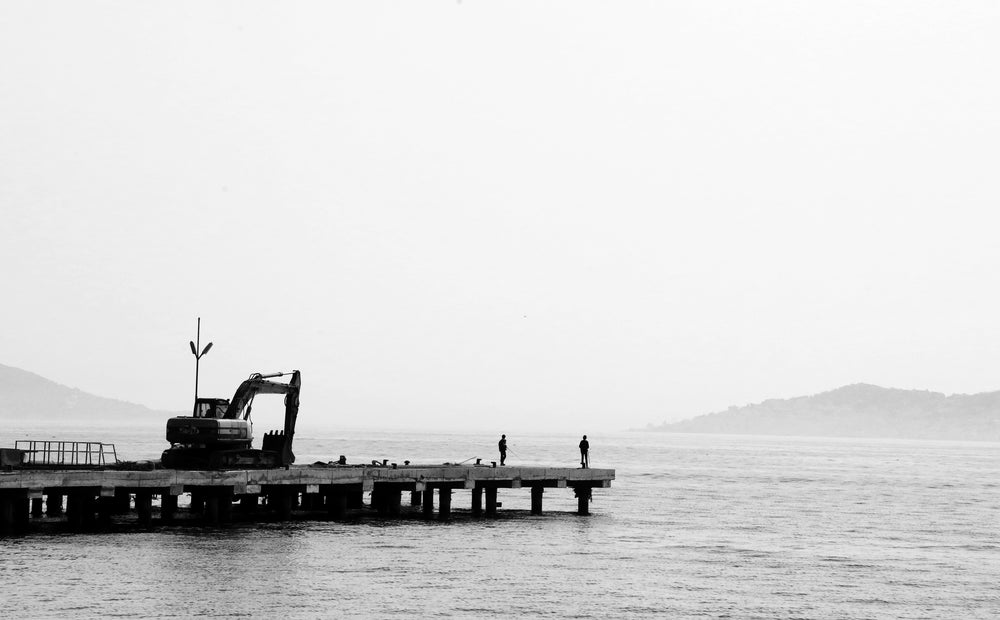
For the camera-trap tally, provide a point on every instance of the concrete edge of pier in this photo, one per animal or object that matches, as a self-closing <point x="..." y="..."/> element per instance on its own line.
<point x="93" y="496"/>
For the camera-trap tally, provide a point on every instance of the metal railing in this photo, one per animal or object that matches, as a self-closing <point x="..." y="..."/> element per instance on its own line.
<point x="67" y="454"/>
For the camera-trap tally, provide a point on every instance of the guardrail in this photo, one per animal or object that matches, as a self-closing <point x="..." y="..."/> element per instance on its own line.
<point x="67" y="454"/>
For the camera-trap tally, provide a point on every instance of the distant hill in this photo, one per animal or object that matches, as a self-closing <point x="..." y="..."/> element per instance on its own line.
<point x="27" y="398"/>
<point x="859" y="410"/>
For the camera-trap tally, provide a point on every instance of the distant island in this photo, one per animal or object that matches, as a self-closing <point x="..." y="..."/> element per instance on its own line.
<point x="859" y="410"/>
<point x="29" y="398"/>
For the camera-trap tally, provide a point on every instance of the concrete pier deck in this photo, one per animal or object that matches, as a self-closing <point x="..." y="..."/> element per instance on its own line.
<point x="92" y="497"/>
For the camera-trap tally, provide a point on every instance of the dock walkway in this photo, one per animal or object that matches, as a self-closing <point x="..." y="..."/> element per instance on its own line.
<point x="92" y="497"/>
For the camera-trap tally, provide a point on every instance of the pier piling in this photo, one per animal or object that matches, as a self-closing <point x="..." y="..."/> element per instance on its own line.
<point x="536" y="499"/>
<point x="427" y="506"/>
<point x="168" y="507"/>
<point x="491" y="501"/>
<point x="444" y="503"/>
<point x="477" y="501"/>
<point x="53" y="503"/>
<point x="36" y="507"/>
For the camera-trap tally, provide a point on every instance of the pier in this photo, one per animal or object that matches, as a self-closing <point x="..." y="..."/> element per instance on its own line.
<point x="90" y="499"/>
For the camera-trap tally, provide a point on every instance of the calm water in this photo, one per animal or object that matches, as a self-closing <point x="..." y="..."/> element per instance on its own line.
<point x="694" y="526"/>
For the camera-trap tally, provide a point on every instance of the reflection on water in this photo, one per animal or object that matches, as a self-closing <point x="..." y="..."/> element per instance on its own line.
<point x="694" y="525"/>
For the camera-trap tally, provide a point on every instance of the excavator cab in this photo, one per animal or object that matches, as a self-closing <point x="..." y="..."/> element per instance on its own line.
<point x="210" y="408"/>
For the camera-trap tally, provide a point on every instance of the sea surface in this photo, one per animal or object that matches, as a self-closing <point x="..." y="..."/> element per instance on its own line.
<point x="695" y="526"/>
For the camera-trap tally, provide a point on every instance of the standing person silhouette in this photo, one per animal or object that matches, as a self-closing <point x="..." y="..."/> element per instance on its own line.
<point x="584" y="453"/>
<point x="502" y="445"/>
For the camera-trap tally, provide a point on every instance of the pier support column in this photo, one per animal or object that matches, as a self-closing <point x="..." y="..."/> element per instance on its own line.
<point x="53" y="504"/>
<point x="81" y="510"/>
<point x="249" y="504"/>
<point x="225" y="496"/>
<point x="336" y="503"/>
<point x="536" y="499"/>
<point x="491" y="501"/>
<point x="144" y="507"/>
<point x="281" y="500"/>
<point x="427" y="502"/>
<point x="123" y="501"/>
<point x="36" y="507"/>
<point x="379" y="503"/>
<point x="444" y="501"/>
<point x="197" y="502"/>
<point x="22" y="511"/>
<point x="211" y="504"/>
<point x="415" y="497"/>
<point x="477" y="501"/>
<point x="355" y="499"/>
<point x="168" y="507"/>
<point x="312" y="501"/>
<point x="7" y="508"/>
<point x="582" y="500"/>
<point x="107" y="506"/>
<point x="393" y="501"/>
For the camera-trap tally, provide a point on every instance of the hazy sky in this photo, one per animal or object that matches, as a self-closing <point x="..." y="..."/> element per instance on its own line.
<point x="501" y="215"/>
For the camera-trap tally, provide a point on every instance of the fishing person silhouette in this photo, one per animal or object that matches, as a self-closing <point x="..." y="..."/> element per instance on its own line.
<point x="502" y="446"/>
<point x="584" y="453"/>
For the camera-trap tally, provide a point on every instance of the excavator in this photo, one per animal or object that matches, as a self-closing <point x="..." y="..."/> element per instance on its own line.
<point x="219" y="434"/>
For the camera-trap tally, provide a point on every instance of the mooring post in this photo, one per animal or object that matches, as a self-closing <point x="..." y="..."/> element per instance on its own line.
<point x="491" y="501"/>
<point x="536" y="499"/>
<point x="477" y="501"/>
<point x="444" y="501"/>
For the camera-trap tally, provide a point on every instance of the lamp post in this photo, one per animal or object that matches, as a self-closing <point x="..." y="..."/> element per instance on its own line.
<point x="197" y="360"/>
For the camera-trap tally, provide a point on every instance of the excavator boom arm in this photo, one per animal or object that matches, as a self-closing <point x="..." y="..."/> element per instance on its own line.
<point x="260" y="384"/>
